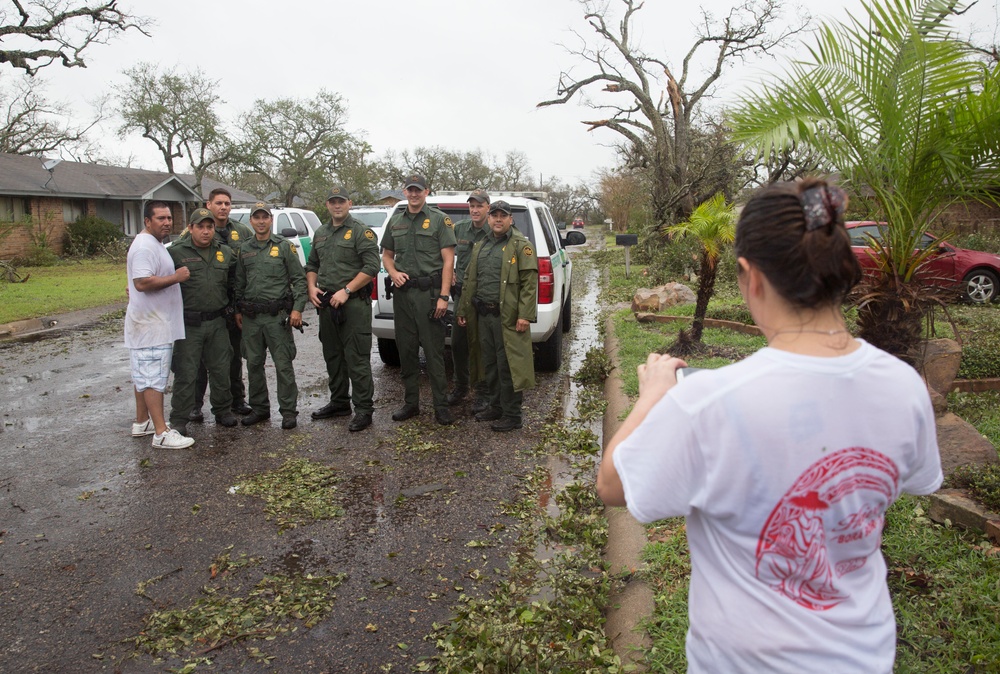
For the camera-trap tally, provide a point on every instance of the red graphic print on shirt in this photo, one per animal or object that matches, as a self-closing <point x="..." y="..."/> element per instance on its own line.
<point x="826" y="525"/>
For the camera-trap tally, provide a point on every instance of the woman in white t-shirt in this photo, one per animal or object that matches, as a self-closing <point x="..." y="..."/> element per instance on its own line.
<point x="784" y="463"/>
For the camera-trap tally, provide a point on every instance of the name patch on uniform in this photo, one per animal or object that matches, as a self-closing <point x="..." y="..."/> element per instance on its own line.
<point x="347" y="235"/>
<point x="369" y="234"/>
<point x="234" y="235"/>
<point x="427" y="224"/>
<point x="219" y="256"/>
<point x="275" y="251"/>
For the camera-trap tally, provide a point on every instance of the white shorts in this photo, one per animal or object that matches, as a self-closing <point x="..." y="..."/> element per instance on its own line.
<point x="151" y="367"/>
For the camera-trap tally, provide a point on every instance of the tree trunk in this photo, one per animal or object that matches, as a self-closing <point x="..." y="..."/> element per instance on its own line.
<point x="891" y="325"/>
<point x="706" y="284"/>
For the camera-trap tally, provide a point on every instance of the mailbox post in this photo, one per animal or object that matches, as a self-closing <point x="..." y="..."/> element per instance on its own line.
<point x="627" y="240"/>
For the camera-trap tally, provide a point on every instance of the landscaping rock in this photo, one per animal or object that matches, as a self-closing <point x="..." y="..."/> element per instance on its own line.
<point x="669" y="295"/>
<point x="958" y="508"/>
<point x="961" y="444"/>
<point x="938" y="361"/>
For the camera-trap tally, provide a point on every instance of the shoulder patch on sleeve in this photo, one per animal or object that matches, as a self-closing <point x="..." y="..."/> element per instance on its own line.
<point x="527" y="251"/>
<point x="448" y="222"/>
<point x="370" y="235"/>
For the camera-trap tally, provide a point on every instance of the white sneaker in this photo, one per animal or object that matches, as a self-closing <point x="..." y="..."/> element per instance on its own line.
<point x="143" y="429"/>
<point x="171" y="440"/>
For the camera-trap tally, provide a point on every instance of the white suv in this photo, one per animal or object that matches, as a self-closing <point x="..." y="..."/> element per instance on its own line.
<point x="295" y="224"/>
<point x="533" y="219"/>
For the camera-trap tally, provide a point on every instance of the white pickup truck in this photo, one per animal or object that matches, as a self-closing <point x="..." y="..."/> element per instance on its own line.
<point x="533" y="219"/>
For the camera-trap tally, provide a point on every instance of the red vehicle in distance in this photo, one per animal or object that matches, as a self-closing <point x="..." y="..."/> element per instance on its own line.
<point x="578" y="223"/>
<point x="972" y="273"/>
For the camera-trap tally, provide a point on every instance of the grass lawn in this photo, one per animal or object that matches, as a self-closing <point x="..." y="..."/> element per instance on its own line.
<point x="65" y="287"/>
<point x="943" y="582"/>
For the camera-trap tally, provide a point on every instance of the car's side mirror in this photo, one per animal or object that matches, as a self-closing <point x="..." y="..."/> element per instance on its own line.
<point x="560" y="225"/>
<point x="574" y="238"/>
<point x="289" y="233"/>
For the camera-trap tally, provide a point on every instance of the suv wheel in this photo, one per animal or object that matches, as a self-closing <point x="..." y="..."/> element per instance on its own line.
<point x="388" y="352"/>
<point x="980" y="286"/>
<point x="548" y="356"/>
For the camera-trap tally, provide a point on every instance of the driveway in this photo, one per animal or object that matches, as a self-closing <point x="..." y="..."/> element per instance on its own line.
<point x="98" y="531"/>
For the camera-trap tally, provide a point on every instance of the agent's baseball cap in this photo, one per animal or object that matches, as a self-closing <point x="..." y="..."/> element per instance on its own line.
<point x="200" y="215"/>
<point x="339" y="192"/>
<point x="415" y="180"/>
<point x="260" y="206"/>
<point x="500" y="206"/>
<point x="479" y="195"/>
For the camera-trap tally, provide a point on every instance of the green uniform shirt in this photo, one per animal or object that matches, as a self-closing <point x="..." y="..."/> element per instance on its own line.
<point x="417" y="240"/>
<point x="491" y="257"/>
<point x="339" y="253"/>
<point x="211" y="273"/>
<point x="270" y="270"/>
<point x="466" y="236"/>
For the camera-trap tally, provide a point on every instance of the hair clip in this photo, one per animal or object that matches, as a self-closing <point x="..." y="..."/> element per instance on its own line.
<point x="822" y="205"/>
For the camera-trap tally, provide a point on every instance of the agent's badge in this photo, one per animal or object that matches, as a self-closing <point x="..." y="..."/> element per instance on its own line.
<point x="347" y="235"/>
<point x="219" y="256"/>
<point x="234" y="235"/>
<point x="427" y="224"/>
<point x="275" y="251"/>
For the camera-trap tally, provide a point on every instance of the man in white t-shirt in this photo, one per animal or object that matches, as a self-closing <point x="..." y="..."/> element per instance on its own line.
<point x="154" y="320"/>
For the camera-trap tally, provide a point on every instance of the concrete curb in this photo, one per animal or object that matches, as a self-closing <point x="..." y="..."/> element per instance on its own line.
<point x="634" y="603"/>
<point x="72" y="319"/>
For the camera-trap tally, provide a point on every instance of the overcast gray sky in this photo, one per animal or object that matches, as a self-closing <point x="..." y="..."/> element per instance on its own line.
<point x="462" y="75"/>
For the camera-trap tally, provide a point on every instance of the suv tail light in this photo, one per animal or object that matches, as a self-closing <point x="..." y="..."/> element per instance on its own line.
<point x="546" y="281"/>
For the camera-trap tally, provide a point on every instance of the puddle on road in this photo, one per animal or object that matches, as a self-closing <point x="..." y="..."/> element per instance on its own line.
<point x="298" y="560"/>
<point x="558" y="472"/>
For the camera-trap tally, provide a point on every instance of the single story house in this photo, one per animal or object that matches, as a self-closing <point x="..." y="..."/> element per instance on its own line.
<point x="49" y="193"/>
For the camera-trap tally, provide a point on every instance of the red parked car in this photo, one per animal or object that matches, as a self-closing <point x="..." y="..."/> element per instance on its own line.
<point x="578" y="223"/>
<point x="975" y="274"/>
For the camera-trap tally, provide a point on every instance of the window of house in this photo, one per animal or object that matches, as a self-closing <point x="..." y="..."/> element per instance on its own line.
<point x="13" y="209"/>
<point x="73" y="209"/>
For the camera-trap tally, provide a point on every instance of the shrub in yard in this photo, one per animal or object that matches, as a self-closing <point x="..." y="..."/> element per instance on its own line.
<point x="37" y="256"/>
<point x="731" y="312"/>
<point x="983" y="482"/>
<point x="988" y="242"/>
<point x="980" y="355"/>
<point x="89" y="234"/>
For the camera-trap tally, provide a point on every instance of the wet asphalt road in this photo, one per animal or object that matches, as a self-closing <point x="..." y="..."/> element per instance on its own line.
<point x="87" y="513"/>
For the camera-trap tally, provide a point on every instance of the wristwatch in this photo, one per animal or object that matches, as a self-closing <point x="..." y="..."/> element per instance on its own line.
<point x="347" y="290"/>
<point x="443" y="297"/>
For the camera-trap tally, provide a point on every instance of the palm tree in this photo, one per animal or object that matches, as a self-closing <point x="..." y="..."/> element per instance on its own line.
<point x="900" y="107"/>
<point x="713" y="224"/>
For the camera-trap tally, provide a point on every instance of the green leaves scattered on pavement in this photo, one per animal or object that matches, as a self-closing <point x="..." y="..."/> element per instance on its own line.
<point x="547" y="613"/>
<point x="298" y="492"/>
<point x="223" y="617"/>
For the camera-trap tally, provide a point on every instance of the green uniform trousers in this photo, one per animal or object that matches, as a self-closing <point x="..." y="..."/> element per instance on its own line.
<point x="460" y="360"/>
<point x="261" y="334"/>
<point x="500" y="386"/>
<point x="347" y="350"/>
<point x="236" y="386"/>
<point x="206" y="344"/>
<point x="415" y="328"/>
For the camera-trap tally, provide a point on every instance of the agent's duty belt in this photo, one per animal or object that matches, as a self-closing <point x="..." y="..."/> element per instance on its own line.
<point x="272" y="308"/>
<point x="456" y="290"/>
<point x="486" y="308"/>
<point x="422" y="283"/>
<point x="196" y="318"/>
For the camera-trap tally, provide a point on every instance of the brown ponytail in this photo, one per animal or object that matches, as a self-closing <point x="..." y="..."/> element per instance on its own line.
<point x="794" y="232"/>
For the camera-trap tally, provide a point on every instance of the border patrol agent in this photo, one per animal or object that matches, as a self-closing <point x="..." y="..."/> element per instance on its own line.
<point x="233" y="234"/>
<point x="343" y="260"/>
<point x="270" y="297"/>
<point x="418" y="252"/>
<point x="468" y="233"/>
<point x="499" y="302"/>
<point x="206" y="305"/>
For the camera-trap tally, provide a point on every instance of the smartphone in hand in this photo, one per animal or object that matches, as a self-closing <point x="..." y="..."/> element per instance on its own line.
<point x="683" y="372"/>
